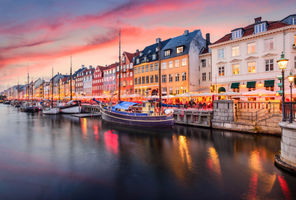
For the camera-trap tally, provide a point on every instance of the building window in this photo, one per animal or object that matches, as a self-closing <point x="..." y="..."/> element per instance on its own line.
<point x="131" y="74"/>
<point x="210" y="76"/>
<point x="154" y="57"/>
<point x="184" y="76"/>
<point x="220" y="53"/>
<point x="237" y="34"/>
<point x="167" y="52"/>
<point x="139" y="80"/>
<point x="294" y="21"/>
<point x="147" y="68"/>
<point x="295" y="62"/>
<point x="252" y="67"/>
<point x="156" y="78"/>
<point x="147" y="79"/>
<point x="251" y="48"/>
<point x="184" y="62"/>
<point x="177" y="90"/>
<point x="204" y="76"/>
<point x="156" y="66"/>
<point x="143" y="79"/>
<point x="170" y="90"/>
<point x="177" y="62"/>
<point x="177" y="77"/>
<point x="269" y="65"/>
<point x="221" y="71"/>
<point x="235" y="89"/>
<point x="151" y="68"/>
<point x="143" y="69"/>
<point x="136" y="69"/>
<point x="151" y="79"/>
<point x="235" y="51"/>
<point x="170" y="78"/>
<point x="137" y="60"/>
<point x="163" y="65"/>
<point x="203" y="62"/>
<point x="164" y="78"/>
<point x="164" y="90"/>
<point x="180" y="49"/>
<point x="260" y="28"/>
<point x="171" y="64"/>
<point x="235" y="69"/>
<point x="136" y="90"/>
<point x="268" y="44"/>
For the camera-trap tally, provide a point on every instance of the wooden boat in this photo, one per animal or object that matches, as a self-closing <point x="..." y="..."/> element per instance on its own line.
<point x="122" y="114"/>
<point x="72" y="107"/>
<point x="50" y="111"/>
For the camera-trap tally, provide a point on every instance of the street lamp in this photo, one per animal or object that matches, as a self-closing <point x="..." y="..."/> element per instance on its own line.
<point x="282" y="62"/>
<point x="291" y="80"/>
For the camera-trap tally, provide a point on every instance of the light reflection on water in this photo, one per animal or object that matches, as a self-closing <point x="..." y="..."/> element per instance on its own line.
<point x="63" y="157"/>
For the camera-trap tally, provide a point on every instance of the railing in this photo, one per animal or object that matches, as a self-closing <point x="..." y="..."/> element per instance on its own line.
<point x="290" y="111"/>
<point x="253" y="105"/>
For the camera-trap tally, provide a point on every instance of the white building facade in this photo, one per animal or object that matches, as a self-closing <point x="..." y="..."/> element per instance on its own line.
<point x="245" y="59"/>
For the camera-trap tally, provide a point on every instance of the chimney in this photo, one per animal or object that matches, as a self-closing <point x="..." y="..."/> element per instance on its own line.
<point x="208" y="39"/>
<point x="258" y="19"/>
<point x="158" y="40"/>
<point x="186" y="32"/>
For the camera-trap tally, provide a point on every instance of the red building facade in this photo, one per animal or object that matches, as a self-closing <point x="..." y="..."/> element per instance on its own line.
<point x="98" y="82"/>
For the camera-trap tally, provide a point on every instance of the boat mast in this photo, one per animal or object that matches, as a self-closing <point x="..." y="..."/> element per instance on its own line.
<point x="71" y="80"/>
<point x="28" y="88"/>
<point x="18" y="90"/>
<point x="159" y="76"/>
<point x="52" y="88"/>
<point x="119" y="80"/>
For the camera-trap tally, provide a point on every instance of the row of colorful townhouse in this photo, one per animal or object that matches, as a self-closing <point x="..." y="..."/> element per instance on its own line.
<point x="242" y="60"/>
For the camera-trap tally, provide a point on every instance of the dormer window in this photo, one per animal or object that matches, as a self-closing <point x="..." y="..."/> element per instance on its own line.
<point x="154" y="57"/>
<point x="141" y="54"/>
<point x="238" y="33"/>
<point x="180" y="49"/>
<point x="294" y="21"/>
<point x="156" y="49"/>
<point x="259" y="28"/>
<point x="138" y="61"/>
<point x="167" y="52"/>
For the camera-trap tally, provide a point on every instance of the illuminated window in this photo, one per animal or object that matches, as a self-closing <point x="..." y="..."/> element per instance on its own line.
<point x="167" y="53"/>
<point x="268" y="44"/>
<point x="171" y="64"/>
<point x="251" y="48"/>
<point x="221" y="71"/>
<point x="177" y="62"/>
<point x="170" y="90"/>
<point x="235" y="69"/>
<point x="294" y="40"/>
<point x="184" y="62"/>
<point x="177" y="90"/>
<point x="180" y="49"/>
<point x="252" y="67"/>
<point x="235" y="51"/>
<point x="269" y="65"/>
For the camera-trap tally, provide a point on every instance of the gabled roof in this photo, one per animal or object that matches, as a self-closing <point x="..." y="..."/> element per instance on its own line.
<point x="182" y="40"/>
<point x="130" y="56"/>
<point x="249" y="30"/>
<point x="149" y="51"/>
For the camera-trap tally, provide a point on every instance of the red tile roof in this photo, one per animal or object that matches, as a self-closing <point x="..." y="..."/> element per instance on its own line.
<point x="249" y="30"/>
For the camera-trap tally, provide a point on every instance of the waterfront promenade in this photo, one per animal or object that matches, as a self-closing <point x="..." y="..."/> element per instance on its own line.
<point x="64" y="157"/>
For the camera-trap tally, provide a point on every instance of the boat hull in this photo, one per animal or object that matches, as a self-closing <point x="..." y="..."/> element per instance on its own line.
<point x="71" y="110"/>
<point x="51" y="111"/>
<point x="141" y="121"/>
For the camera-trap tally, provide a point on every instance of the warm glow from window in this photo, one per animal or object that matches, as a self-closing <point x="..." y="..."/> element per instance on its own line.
<point x="235" y="51"/>
<point x="221" y="71"/>
<point x="180" y="49"/>
<point x="252" y="67"/>
<point x="251" y="48"/>
<point x="235" y="69"/>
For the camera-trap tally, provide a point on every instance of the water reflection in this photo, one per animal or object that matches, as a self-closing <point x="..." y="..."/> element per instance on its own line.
<point x="85" y="158"/>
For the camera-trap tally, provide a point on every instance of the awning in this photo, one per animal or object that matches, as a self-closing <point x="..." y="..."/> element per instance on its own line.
<point x="123" y="105"/>
<point x="221" y="89"/>
<point x="269" y="83"/>
<point x="251" y="84"/>
<point x="234" y="85"/>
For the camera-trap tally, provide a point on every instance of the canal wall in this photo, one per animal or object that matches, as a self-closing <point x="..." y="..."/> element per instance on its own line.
<point x="254" y="118"/>
<point x="193" y="117"/>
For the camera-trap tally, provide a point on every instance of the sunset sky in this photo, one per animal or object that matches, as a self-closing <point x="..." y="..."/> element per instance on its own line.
<point x="37" y="35"/>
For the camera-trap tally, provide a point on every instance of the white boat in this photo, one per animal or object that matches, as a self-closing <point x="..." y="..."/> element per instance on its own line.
<point x="51" y="111"/>
<point x="72" y="107"/>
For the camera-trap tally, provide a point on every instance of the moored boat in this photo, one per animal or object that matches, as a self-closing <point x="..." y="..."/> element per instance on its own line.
<point x="51" y="111"/>
<point x="125" y="113"/>
<point x="72" y="107"/>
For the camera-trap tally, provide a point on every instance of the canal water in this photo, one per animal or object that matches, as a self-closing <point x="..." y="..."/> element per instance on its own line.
<point x="63" y="157"/>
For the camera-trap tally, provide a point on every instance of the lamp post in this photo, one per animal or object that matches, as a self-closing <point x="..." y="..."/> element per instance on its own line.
<point x="291" y="80"/>
<point x="282" y="62"/>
